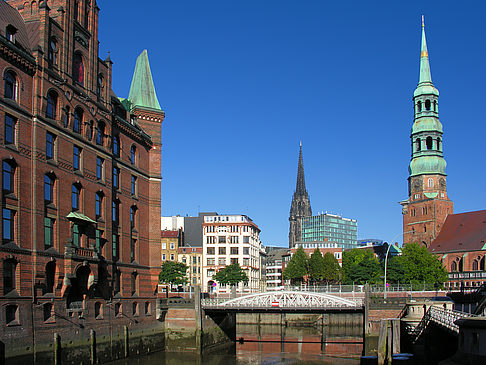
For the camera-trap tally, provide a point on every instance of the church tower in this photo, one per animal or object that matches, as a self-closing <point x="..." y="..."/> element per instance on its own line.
<point x="300" y="206"/>
<point x="428" y="205"/>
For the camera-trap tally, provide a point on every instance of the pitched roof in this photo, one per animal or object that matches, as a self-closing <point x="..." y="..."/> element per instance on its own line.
<point x="461" y="232"/>
<point x="170" y="234"/>
<point x="142" y="91"/>
<point x="9" y="15"/>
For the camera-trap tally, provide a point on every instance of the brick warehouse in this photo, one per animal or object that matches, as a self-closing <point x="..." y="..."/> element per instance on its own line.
<point x="81" y="176"/>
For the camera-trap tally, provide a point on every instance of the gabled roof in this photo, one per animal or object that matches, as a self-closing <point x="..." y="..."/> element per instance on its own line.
<point x="461" y="232"/>
<point x="169" y="234"/>
<point x="9" y="15"/>
<point x="142" y="91"/>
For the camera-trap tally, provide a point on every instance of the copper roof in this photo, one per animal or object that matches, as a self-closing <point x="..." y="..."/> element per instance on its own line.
<point x="461" y="232"/>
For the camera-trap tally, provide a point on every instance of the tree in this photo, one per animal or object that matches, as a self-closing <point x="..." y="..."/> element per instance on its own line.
<point x="173" y="273"/>
<point x="360" y="266"/>
<point x="332" y="270"/>
<point x="316" y="266"/>
<point x="416" y="265"/>
<point x="296" y="269"/>
<point x="230" y="275"/>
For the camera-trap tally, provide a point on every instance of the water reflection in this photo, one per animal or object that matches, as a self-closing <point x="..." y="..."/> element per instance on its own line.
<point x="273" y="344"/>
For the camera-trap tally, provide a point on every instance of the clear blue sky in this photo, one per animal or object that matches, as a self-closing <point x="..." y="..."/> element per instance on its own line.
<point x="242" y="82"/>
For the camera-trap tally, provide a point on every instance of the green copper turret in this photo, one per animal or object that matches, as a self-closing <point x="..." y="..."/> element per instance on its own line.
<point x="142" y="90"/>
<point x="426" y="134"/>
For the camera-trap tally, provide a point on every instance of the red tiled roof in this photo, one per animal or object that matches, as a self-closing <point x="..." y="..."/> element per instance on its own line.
<point x="461" y="232"/>
<point x="169" y="234"/>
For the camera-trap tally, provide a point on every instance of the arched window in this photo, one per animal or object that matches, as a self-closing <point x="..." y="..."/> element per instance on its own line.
<point x="78" y="120"/>
<point x="9" y="278"/>
<point x="8" y="176"/>
<point x="435" y="105"/>
<point x="89" y="131"/>
<point x="115" y="211"/>
<point x="100" y="133"/>
<point x="65" y="120"/>
<point x="134" y="285"/>
<point x="10" y="86"/>
<point x="75" y="194"/>
<point x="78" y="69"/>
<point x="419" y="106"/>
<point x="133" y="154"/>
<point x="116" y="146"/>
<point x="425" y="228"/>
<point x="427" y="104"/>
<point x="51" y="109"/>
<point x="475" y="265"/>
<point x="428" y="142"/>
<point x="430" y="183"/>
<point x="99" y="86"/>
<point x="419" y="144"/>
<point x="52" y="52"/>
<point x="454" y="266"/>
<point x="438" y="144"/>
<point x="49" y="189"/>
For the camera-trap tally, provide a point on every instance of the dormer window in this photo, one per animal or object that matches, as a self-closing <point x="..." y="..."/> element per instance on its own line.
<point x="10" y="33"/>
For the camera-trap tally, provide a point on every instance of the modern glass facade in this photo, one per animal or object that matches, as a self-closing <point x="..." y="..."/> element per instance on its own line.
<point x="330" y="228"/>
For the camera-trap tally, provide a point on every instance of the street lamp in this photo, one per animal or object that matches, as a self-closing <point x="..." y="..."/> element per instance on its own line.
<point x="386" y="259"/>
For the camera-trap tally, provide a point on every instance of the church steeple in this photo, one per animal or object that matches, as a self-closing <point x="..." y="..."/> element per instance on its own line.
<point x="300" y="206"/>
<point x="428" y="205"/>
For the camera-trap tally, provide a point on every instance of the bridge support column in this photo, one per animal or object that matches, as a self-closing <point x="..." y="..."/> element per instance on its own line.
<point x="323" y="335"/>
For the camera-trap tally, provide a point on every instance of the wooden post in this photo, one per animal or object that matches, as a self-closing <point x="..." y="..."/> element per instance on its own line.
<point x="382" y="342"/>
<point x="57" y="349"/>
<point x="198" y="314"/>
<point x="396" y="336"/>
<point x="125" y="341"/>
<point x="323" y="335"/>
<point x="92" y="338"/>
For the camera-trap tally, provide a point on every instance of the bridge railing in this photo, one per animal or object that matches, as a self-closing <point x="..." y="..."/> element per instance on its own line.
<point x="355" y="288"/>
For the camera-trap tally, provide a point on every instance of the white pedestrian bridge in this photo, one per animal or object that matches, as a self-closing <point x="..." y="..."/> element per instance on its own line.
<point x="285" y="301"/>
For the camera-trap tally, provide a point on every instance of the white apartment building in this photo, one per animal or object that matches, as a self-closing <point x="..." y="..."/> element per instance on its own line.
<point x="229" y="239"/>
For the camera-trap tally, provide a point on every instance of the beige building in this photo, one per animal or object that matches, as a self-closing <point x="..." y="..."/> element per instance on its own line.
<point x="192" y="257"/>
<point x="170" y="241"/>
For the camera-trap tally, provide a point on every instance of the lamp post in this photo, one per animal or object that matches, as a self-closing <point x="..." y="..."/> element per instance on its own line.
<point x="386" y="259"/>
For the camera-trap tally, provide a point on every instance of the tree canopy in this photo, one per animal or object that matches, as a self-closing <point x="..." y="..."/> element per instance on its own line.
<point x="416" y="265"/>
<point x="332" y="270"/>
<point x="173" y="273"/>
<point x="360" y="266"/>
<point x="316" y="266"/>
<point x="231" y="275"/>
<point x="296" y="269"/>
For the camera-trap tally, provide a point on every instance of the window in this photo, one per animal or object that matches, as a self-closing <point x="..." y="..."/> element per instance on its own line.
<point x="210" y="250"/>
<point x="78" y="69"/>
<point x="172" y="245"/>
<point x="52" y="52"/>
<point x="210" y="261"/>
<point x="234" y="239"/>
<point x="76" y="235"/>
<point x="419" y="106"/>
<point x="147" y="309"/>
<point x="8" y="225"/>
<point x="76" y="158"/>
<point x="428" y="142"/>
<point x="419" y="144"/>
<point x="210" y="239"/>
<point x="222" y="239"/>
<point x="246" y="262"/>
<point x="134" y="304"/>
<point x="75" y="193"/>
<point x="10" y="90"/>
<point x="115" y="211"/>
<point x="50" y="276"/>
<point x="10" y="33"/>
<point x="99" y="86"/>
<point x="234" y="251"/>
<point x="51" y="109"/>
<point x="48" y="189"/>
<point x="8" y="174"/>
<point x="133" y="245"/>
<point x="246" y="239"/>
<point x="133" y="152"/>
<point x="222" y="250"/>
<point x="172" y="257"/>
<point x="116" y="177"/>
<point x="133" y="185"/>
<point x="430" y="183"/>
<point x="163" y="257"/>
<point x="134" y="287"/>
<point x="12" y="315"/>
<point x="115" y="246"/>
<point x="99" y="241"/>
<point x="246" y="250"/>
<point x="50" y="143"/>
<point x="78" y="120"/>
<point x="164" y="245"/>
<point x="427" y="104"/>
<point x="10" y="123"/>
<point x="76" y="10"/>
<point x="222" y="261"/>
<point x="9" y="279"/>
<point x="100" y="134"/>
<point x="133" y="216"/>
<point x="99" y="168"/>
<point x="116" y="146"/>
<point x="48" y="233"/>
<point x="234" y="260"/>
<point x="99" y="204"/>
<point x="65" y="120"/>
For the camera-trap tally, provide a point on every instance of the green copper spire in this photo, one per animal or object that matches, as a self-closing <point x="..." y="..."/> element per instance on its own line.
<point x="426" y="134"/>
<point x="142" y="90"/>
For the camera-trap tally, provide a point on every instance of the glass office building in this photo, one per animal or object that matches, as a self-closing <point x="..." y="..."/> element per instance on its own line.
<point x="330" y="228"/>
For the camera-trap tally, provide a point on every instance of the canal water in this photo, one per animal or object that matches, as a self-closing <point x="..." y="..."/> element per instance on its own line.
<point x="272" y="345"/>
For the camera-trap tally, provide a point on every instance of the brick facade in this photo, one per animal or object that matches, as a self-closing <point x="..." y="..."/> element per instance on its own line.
<point x="81" y="168"/>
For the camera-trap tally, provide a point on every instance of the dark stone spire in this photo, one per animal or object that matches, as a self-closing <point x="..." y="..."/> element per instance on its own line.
<point x="300" y="206"/>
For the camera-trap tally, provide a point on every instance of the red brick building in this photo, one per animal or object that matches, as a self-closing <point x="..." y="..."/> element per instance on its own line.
<point x="461" y="245"/>
<point x="81" y="168"/>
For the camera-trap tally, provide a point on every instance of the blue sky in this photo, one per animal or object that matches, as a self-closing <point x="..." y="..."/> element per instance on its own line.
<point x="242" y="82"/>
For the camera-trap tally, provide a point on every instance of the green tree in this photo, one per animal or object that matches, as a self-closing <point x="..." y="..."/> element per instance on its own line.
<point x="416" y="265"/>
<point x="173" y="273"/>
<point x="316" y="266"/>
<point x="332" y="270"/>
<point x="360" y="266"/>
<point x="231" y="275"/>
<point x="296" y="269"/>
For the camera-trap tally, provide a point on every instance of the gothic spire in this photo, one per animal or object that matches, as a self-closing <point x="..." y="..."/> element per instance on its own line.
<point x="300" y="187"/>
<point x="425" y="76"/>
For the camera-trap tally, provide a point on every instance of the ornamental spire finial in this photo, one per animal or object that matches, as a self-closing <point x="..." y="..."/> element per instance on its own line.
<point x="424" y="59"/>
